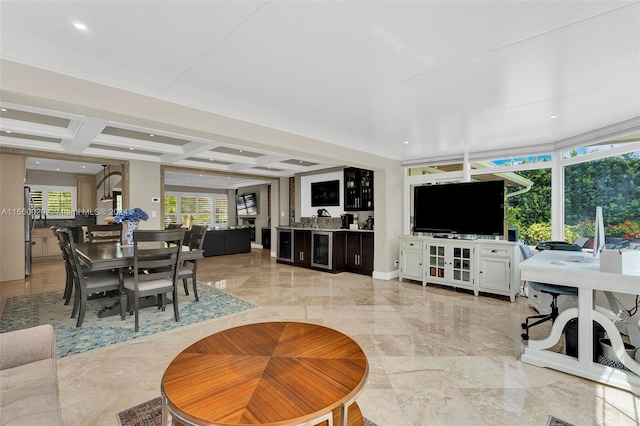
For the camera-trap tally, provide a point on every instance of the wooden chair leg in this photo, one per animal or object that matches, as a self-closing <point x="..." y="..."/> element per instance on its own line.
<point x="83" y="307"/>
<point x="176" y="313"/>
<point x="186" y="286"/>
<point x="68" y="288"/>
<point x="124" y="305"/>
<point x="195" y="288"/>
<point x="135" y="311"/>
<point x="76" y="302"/>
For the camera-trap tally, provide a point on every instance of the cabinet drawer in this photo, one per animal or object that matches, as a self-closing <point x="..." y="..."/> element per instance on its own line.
<point x="495" y="251"/>
<point x="411" y="244"/>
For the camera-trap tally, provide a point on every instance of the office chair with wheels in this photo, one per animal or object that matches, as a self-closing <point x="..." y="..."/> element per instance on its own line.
<point x="553" y="290"/>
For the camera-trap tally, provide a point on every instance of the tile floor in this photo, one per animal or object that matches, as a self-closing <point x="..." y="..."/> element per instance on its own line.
<point x="437" y="356"/>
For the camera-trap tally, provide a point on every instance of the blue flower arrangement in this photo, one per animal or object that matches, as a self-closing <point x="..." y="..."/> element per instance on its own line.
<point x="131" y="215"/>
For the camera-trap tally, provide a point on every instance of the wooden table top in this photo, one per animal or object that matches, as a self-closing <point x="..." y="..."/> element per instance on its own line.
<point x="113" y="255"/>
<point x="265" y="373"/>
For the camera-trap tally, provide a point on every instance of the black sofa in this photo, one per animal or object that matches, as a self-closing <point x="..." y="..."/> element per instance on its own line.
<point x="218" y="242"/>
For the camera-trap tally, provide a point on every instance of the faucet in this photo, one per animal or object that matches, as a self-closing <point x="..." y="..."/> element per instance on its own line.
<point x="314" y="221"/>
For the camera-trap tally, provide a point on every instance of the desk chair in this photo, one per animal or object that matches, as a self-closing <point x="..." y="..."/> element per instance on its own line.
<point x="102" y="233"/>
<point x="155" y="269"/>
<point x="553" y="290"/>
<point x="196" y="240"/>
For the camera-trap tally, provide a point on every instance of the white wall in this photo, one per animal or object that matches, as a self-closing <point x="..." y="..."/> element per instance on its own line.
<point x="144" y="184"/>
<point x="12" y="220"/>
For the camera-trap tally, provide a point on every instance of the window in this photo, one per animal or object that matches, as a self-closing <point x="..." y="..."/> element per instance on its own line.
<point x="54" y="202"/>
<point x="553" y="200"/>
<point x="612" y="182"/>
<point x="195" y="209"/>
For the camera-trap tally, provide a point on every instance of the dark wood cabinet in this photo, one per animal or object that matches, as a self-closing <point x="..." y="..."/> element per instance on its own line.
<point x="359" y="252"/>
<point x="302" y="248"/>
<point x="358" y="189"/>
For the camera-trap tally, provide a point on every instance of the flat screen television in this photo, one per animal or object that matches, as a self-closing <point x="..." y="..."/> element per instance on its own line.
<point x="246" y="204"/>
<point x="471" y="208"/>
<point x="324" y="194"/>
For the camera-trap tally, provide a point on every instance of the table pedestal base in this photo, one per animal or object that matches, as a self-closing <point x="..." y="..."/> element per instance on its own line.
<point x="354" y="418"/>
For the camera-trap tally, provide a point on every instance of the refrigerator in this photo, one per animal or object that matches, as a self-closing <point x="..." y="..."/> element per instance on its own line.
<point x="29" y="222"/>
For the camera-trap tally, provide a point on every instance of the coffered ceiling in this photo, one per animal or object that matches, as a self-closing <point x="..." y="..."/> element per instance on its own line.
<point x="404" y="80"/>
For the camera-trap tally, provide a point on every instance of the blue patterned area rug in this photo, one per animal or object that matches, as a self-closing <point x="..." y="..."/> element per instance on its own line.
<point x="150" y="414"/>
<point x="557" y="422"/>
<point x="49" y="308"/>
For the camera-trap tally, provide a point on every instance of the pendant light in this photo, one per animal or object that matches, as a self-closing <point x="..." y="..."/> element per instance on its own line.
<point x="106" y="197"/>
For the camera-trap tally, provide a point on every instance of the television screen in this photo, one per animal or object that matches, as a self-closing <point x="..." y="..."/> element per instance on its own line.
<point x="246" y="204"/>
<point x="475" y="208"/>
<point x="325" y="194"/>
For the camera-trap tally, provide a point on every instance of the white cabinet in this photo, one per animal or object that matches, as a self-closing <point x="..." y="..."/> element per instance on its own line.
<point x="86" y="194"/>
<point x="450" y="263"/>
<point x="46" y="244"/>
<point x="411" y="259"/>
<point x="479" y="265"/>
<point x="494" y="270"/>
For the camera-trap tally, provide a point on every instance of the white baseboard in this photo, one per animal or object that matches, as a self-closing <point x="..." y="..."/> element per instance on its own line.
<point x="386" y="275"/>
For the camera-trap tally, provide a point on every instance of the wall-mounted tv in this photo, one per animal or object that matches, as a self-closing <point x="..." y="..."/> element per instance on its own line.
<point x="472" y="208"/>
<point x="247" y="204"/>
<point x="324" y="194"/>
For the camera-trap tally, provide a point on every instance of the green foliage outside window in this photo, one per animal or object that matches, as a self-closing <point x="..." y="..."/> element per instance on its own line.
<point x="613" y="183"/>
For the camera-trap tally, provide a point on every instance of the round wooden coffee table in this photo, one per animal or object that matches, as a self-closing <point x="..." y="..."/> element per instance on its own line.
<point x="273" y="373"/>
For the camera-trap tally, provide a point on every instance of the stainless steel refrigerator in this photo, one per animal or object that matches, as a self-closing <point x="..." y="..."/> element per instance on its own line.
<point x="29" y="222"/>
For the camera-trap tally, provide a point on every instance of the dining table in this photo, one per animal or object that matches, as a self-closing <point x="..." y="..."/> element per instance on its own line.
<point x="105" y="256"/>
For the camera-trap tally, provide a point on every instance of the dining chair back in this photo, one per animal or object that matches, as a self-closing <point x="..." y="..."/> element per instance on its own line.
<point x="102" y="233"/>
<point x="86" y="282"/>
<point x="189" y="268"/>
<point x="68" y="287"/>
<point x="156" y="258"/>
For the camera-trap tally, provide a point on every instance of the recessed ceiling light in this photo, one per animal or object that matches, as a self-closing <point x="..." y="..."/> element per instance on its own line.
<point x="80" y="26"/>
<point x="130" y="149"/>
<point x="3" y="109"/>
<point x="240" y="150"/>
<point x="37" y="162"/>
<point x="553" y="116"/>
<point x="406" y="142"/>
<point x="151" y="134"/>
<point x="8" y="131"/>
<point x="57" y="170"/>
<point x="84" y="167"/>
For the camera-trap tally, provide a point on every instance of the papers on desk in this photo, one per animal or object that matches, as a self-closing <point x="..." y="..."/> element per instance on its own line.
<point x="620" y="261"/>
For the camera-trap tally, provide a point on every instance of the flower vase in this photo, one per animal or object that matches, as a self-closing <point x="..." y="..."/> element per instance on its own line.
<point x="131" y="226"/>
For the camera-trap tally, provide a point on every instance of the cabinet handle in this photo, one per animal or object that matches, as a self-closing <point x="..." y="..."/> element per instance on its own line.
<point x="494" y="251"/>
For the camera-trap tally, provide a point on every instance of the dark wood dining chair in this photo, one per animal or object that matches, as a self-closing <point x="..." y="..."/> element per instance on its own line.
<point x="102" y="233"/>
<point x="86" y="282"/>
<point x="68" y="287"/>
<point x="196" y="240"/>
<point x="155" y="269"/>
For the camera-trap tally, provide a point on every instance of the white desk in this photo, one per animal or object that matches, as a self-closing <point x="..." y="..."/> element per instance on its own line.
<point x="587" y="277"/>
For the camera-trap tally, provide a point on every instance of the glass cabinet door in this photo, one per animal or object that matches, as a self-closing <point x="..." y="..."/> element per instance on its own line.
<point x="461" y="264"/>
<point x="436" y="261"/>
